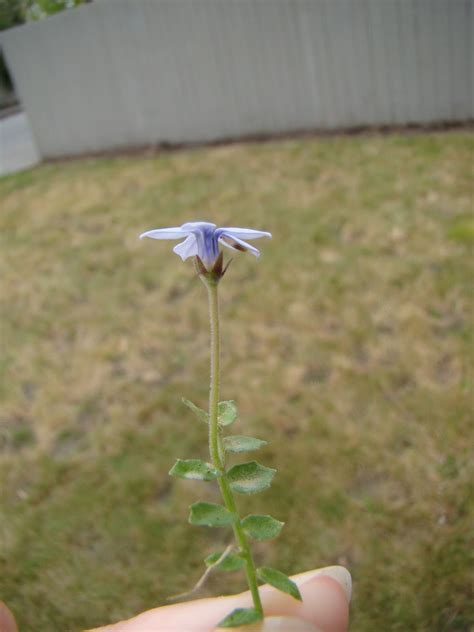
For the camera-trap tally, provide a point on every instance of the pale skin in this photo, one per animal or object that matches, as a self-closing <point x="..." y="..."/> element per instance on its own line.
<point x="326" y="596"/>
<point x="325" y="605"/>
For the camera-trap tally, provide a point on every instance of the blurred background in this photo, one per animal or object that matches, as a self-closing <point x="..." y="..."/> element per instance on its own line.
<point x="344" y="127"/>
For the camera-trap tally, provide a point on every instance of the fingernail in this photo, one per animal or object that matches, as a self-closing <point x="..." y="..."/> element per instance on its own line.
<point x="340" y="574"/>
<point x="275" y="624"/>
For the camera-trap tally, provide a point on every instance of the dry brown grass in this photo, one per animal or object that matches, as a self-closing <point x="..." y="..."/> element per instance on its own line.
<point x="347" y="346"/>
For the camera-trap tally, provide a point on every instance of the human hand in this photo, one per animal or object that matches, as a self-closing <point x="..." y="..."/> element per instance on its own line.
<point x="326" y="595"/>
<point x="7" y="620"/>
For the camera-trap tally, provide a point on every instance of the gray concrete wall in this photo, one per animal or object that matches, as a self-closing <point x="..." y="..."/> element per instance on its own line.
<point x="121" y="73"/>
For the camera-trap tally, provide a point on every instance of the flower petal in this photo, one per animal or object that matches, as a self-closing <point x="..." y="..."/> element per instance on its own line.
<point x="243" y="233"/>
<point x="198" y="227"/>
<point x="187" y="248"/>
<point x="206" y="240"/>
<point x="234" y="243"/>
<point x="165" y="233"/>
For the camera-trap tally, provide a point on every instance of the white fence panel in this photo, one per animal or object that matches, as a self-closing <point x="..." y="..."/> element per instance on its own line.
<point x="122" y="73"/>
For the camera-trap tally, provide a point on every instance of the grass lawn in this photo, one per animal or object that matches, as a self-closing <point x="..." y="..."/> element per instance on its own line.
<point x="347" y="346"/>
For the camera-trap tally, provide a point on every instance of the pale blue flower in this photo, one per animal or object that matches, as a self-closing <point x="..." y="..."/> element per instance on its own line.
<point x="202" y="239"/>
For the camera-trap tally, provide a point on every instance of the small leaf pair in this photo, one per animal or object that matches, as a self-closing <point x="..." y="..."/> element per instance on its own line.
<point x="258" y="527"/>
<point x="227" y="412"/>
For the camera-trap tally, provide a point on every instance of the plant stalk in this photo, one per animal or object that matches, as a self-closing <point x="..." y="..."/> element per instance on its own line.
<point x="214" y="445"/>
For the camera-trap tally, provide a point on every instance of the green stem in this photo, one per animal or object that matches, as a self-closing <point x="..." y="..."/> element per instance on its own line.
<point x="214" y="447"/>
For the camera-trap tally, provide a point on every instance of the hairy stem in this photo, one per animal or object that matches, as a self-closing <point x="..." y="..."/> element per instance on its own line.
<point x="214" y="445"/>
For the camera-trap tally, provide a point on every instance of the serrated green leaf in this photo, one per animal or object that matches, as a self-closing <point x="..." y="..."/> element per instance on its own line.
<point x="210" y="515"/>
<point x="239" y="443"/>
<point x="261" y="527"/>
<point x="227" y="413"/>
<point x="231" y="562"/>
<point x="250" y="478"/>
<point x="240" y="616"/>
<point x="201" y="414"/>
<point x="279" y="580"/>
<point x="194" y="469"/>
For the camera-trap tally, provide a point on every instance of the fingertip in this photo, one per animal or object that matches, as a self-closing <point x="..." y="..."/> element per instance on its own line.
<point x="340" y="574"/>
<point x="326" y="603"/>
